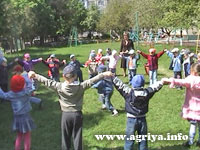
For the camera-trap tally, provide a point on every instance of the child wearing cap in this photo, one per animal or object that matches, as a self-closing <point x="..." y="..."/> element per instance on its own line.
<point x="74" y="62"/>
<point x="113" y="60"/>
<point x="136" y="105"/>
<point x="131" y="63"/>
<point x="71" y="100"/>
<point x="27" y="63"/>
<point x="152" y="59"/>
<point x="92" y="65"/>
<point x="176" y="62"/>
<point x="19" y="96"/>
<point x="54" y="64"/>
<point x="4" y="68"/>
<point x="105" y="91"/>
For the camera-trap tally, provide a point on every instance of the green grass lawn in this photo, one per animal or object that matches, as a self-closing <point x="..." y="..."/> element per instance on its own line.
<point x="163" y="116"/>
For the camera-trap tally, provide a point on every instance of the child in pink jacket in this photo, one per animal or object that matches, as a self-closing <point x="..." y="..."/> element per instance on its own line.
<point x="191" y="106"/>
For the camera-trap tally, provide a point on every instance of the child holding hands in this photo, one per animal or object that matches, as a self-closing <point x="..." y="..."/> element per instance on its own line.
<point x="191" y="106"/>
<point x="20" y="102"/>
<point x="152" y="59"/>
<point x="71" y="95"/>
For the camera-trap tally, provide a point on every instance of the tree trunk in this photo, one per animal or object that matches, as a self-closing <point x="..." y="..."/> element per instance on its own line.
<point x="42" y="40"/>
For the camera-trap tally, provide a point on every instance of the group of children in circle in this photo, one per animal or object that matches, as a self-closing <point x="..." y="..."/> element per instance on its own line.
<point x="136" y="98"/>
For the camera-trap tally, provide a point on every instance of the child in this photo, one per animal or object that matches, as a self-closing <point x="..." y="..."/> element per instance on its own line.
<point x="191" y="106"/>
<point x="176" y="63"/>
<point x="113" y="59"/>
<point x="71" y="100"/>
<point x="20" y="102"/>
<point x="28" y="63"/>
<point x="92" y="52"/>
<point x="108" y="53"/>
<point x="136" y="105"/>
<point x="152" y="59"/>
<point x="54" y="64"/>
<point x="187" y="62"/>
<point x="78" y="66"/>
<point x="92" y="65"/>
<point x="105" y="90"/>
<point x="131" y="63"/>
<point x="99" y="56"/>
<point x="18" y="70"/>
<point x="4" y="68"/>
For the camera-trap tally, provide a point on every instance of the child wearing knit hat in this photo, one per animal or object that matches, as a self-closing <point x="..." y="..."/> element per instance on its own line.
<point x="19" y="96"/>
<point x="18" y="70"/>
<point x="136" y="105"/>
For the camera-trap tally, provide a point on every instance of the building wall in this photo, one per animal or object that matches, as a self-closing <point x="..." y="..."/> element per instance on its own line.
<point x="101" y="4"/>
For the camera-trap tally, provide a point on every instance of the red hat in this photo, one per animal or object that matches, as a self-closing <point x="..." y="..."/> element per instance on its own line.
<point x="17" y="83"/>
<point x="18" y="68"/>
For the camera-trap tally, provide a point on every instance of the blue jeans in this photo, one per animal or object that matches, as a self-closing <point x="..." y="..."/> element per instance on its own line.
<point x="55" y="78"/>
<point x="131" y="74"/>
<point x="105" y="99"/>
<point x="152" y="76"/>
<point x="35" y="100"/>
<point x="133" y="125"/>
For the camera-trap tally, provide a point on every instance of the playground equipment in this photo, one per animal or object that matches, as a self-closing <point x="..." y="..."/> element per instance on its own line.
<point x="73" y="37"/>
<point x="134" y="33"/>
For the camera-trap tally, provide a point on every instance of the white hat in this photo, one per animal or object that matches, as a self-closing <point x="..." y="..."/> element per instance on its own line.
<point x="71" y="56"/>
<point x="131" y="52"/>
<point x="114" y="52"/>
<point x="175" y="50"/>
<point x="100" y="50"/>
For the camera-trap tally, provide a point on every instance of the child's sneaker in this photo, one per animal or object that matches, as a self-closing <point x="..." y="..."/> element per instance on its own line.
<point x="115" y="112"/>
<point x="103" y="107"/>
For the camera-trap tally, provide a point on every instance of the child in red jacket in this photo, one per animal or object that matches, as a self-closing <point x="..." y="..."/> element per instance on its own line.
<point x="152" y="59"/>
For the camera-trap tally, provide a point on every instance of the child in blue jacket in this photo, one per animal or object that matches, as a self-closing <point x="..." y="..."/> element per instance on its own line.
<point x="136" y="105"/>
<point x="105" y="91"/>
<point x="131" y="64"/>
<point x="20" y="97"/>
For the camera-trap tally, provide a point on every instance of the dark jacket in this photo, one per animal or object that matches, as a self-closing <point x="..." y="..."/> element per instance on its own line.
<point x="104" y="86"/>
<point x="136" y="100"/>
<point x="4" y="72"/>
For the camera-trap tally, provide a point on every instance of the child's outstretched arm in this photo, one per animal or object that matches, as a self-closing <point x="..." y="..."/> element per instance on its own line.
<point x="160" y="53"/>
<point x="47" y="82"/>
<point x="152" y="89"/>
<point x="143" y="54"/>
<point x="88" y="83"/>
<point x="122" y="88"/>
<point x="35" y="61"/>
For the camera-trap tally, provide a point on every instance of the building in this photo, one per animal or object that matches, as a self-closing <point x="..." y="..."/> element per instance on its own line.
<point x="101" y="4"/>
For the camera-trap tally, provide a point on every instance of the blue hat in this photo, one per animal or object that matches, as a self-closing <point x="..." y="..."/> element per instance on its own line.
<point x="69" y="69"/>
<point x="137" y="81"/>
<point x="101" y="68"/>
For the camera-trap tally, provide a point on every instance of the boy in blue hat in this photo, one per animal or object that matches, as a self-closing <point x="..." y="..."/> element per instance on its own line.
<point x="136" y="105"/>
<point x="105" y="91"/>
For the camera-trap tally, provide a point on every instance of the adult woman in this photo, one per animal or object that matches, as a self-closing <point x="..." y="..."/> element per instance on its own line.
<point x="126" y="45"/>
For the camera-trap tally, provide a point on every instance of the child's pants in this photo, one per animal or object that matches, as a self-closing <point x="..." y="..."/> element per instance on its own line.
<point x="27" y="140"/>
<point x="71" y="127"/>
<point x="80" y="76"/>
<point x="133" y="125"/>
<point x="105" y="99"/>
<point x="177" y="75"/>
<point x="131" y="74"/>
<point x="152" y="76"/>
<point x="192" y="131"/>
